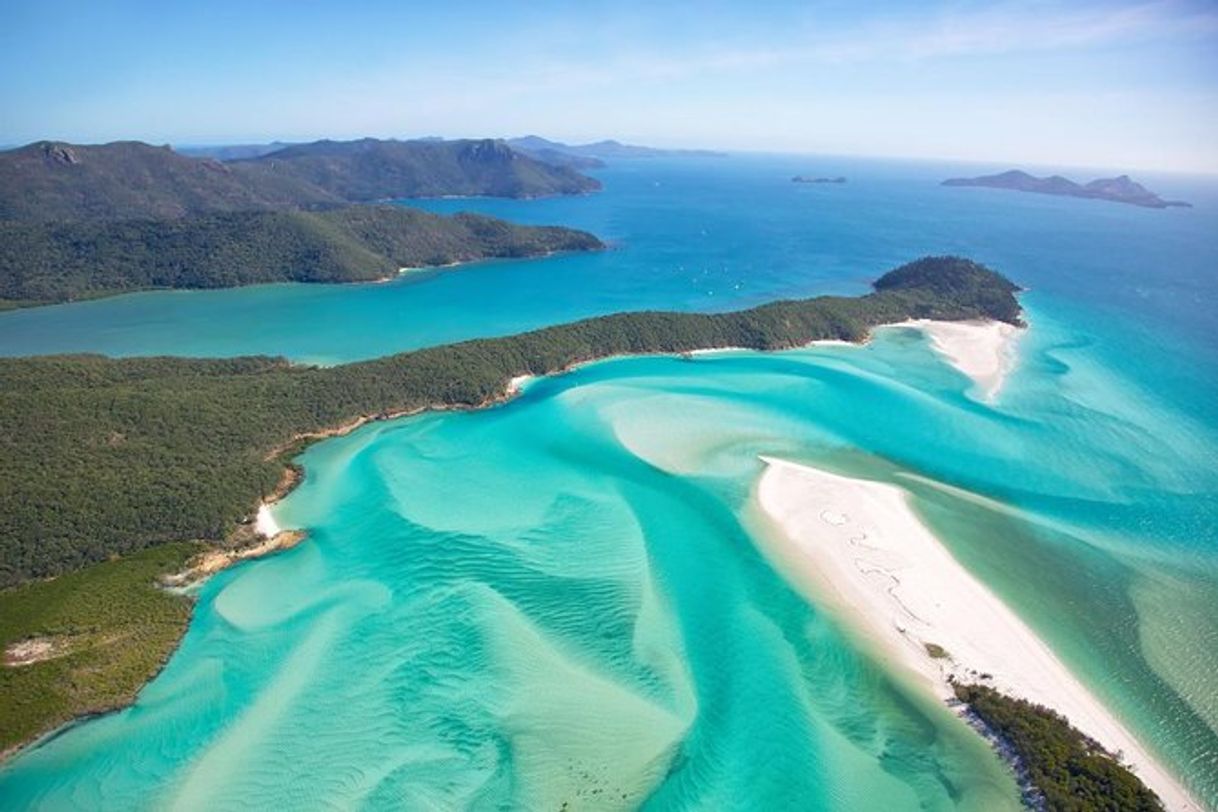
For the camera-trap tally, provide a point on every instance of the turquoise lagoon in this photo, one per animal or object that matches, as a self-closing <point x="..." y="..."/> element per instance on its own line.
<point x="562" y="600"/>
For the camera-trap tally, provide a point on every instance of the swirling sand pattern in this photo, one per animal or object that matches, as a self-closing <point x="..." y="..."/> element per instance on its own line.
<point x="558" y="604"/>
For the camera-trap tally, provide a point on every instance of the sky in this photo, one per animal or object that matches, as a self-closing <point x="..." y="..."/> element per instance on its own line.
<point x="1114" y="84"/>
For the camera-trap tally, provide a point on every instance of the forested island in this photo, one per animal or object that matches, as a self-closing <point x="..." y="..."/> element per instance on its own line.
<point x="44" y="262"/>
<point x="87" y="221"/>
<point x="1120" y="189"/>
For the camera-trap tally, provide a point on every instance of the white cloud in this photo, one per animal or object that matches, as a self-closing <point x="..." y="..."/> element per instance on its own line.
<point x="1005" y="29"/>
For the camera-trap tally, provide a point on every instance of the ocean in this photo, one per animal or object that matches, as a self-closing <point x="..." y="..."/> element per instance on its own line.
<point x="562" y="603"/>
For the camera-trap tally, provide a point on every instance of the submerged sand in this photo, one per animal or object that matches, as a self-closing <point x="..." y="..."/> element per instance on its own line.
<point x="859" y="545"/>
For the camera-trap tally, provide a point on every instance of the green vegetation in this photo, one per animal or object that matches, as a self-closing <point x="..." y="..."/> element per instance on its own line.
<point x="109" y="628"/>
<point x="957" y="279"/>
<point x="127" y="180"/>
<point x="1069" y="771"/>
<point x="52" y="262"/>
<point x="110" y="456"/>
<point x="87" y="221"/>
<point x="936" y="651"/>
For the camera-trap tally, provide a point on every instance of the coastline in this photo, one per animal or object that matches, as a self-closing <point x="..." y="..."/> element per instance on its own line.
<point x="858" y="546"/>
<point x="983" y="350"/>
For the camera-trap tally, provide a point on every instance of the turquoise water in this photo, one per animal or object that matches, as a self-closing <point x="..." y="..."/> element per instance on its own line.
<point x="561" y="601"/>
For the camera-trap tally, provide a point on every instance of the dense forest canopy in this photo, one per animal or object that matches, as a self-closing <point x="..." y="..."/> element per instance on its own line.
<point x="1069" y="771"/>
<point x="55" y="262"/>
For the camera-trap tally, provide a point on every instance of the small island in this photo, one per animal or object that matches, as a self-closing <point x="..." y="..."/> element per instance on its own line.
<point x="804" y="179"/>
<point x="1121" y="189"/>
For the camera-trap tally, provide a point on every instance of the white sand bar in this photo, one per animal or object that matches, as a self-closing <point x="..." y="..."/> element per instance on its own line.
<point x="858" y="545"/>
<point x="265" y="524"/>
<point x="983" y="350"/>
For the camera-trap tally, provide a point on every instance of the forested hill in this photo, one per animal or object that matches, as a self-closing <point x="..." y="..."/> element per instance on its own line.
<point x="54" y="262"/>
<point x="87" y="221"/>
<point x="105" y="457"/>
<point x="50" y="180"/>
<point x="370" y="169"/>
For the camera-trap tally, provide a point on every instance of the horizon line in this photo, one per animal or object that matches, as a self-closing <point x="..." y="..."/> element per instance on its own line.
<point x="627" y="141"/>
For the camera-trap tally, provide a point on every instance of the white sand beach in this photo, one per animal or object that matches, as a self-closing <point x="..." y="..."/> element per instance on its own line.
<point x="265" y="524"/>
<point x="983" y="350"/>
<point x="820" y="342"/>
<point x="516" y="385"/>
<point x="858" y="545"/>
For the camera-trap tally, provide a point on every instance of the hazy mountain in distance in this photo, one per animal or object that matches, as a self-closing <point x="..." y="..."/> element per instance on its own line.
<point x="1121" y="189"/>
<point x="608" y="149"/>
<point x="232" y="152"/>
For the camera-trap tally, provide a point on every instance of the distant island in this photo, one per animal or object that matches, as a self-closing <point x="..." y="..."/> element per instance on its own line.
<point x="231" y="152"/>
<point x="601" y="150"/>
<point x="81" y="221"/>
<point x="803" y="179"/>
<point x="1121" y="189"/>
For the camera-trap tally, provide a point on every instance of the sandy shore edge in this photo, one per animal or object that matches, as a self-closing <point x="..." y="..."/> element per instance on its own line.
<point x="858" y="545"/>
<point x="985" y="350"/>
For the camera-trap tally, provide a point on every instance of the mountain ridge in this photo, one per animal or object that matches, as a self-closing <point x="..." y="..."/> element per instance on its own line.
<point x="56" y="180"/>
<point x="606" y="149"/>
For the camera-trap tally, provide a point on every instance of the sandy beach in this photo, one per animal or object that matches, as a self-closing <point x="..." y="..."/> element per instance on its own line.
<point x="516" y="385"/>
<point x="858" y="545"/>
<point x="265" y="523"/>
<point x="820" y="342"/>
<point x="983" y="350"/>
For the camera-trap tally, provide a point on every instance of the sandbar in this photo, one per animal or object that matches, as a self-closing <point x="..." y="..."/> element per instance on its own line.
<point x="857" y="545"/>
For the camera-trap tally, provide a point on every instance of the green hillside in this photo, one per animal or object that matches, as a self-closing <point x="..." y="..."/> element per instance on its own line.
<point x="44" y="262"/>
<point x="50" y="180"/>
<point x="55" y="181"/>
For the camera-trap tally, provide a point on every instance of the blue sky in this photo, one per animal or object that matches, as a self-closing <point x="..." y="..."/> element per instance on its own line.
<point x="1113" y="84"/>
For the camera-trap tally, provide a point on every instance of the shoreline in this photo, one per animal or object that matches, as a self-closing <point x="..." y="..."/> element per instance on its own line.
<point x="858" y="546"/>
<point x="983" y="350"/>
<point x="1001" y="338"/>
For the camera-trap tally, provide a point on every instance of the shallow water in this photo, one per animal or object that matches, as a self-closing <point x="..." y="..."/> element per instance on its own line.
<point x="561" y="600"/>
